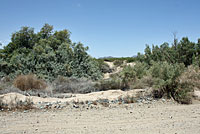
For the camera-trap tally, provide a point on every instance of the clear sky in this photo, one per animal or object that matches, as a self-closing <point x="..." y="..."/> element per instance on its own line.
<point x="109" y="27"/>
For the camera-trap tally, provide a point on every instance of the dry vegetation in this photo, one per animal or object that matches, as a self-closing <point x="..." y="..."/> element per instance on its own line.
<point x="28" y="82"/>
<point x="135" y="77"/>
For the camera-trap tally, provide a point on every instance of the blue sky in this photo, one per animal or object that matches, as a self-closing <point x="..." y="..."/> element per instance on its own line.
<point x="109" y="27"/>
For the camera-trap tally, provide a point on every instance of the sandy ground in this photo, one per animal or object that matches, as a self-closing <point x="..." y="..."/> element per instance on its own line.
<point x="11" y="99"/>
<point x="159" y="117"/>
<point x="116" y="69"/>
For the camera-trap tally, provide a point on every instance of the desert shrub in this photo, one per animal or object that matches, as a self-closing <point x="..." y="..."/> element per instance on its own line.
<point x="126" y="79"/>
<point x="144" y="82"/>
<point x="130" y="75"/>
<point x="192" y="76"/>
<point x="165" y="75"/>
<point x="187" y="82"/>
<point x="28" y="82"/>
<point x="108" y="84"/>
<point x="73" y="85"/>
<point x="165" y="82"/>
<point x="171" y="80"/>
<point x="118" y="63"/>
<point x="183" y="92"/>
<point x="140" y="69"/>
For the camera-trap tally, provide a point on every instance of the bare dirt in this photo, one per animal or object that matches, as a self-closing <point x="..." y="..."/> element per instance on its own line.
<point x="165" y="117"/>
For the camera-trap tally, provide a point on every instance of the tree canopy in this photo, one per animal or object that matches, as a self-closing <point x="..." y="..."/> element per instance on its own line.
<point x="184" y="51"/>
<point x="47" y="54"/>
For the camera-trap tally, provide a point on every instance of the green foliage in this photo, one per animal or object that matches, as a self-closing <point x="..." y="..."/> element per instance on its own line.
<point x="166" y="79"/>
<point x="47" y="54"/>
<point x="185" y="51"/>
<point x="167" y="64"/>
<point x="130" y="74"/>
<point x="127" y="75"/>
<point x="164" y="76"/>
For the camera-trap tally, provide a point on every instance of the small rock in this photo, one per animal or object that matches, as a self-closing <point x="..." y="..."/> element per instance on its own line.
<point x="75" y="106"/>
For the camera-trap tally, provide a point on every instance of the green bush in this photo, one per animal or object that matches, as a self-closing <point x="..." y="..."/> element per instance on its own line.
<point x="144" y="82"/>
<point x="173" y="80"/>
<point x="47" y="54"/>
<point x="164" y="76"/>
<point x="130" y="75"/>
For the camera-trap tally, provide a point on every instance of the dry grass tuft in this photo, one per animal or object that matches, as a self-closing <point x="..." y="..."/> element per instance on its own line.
<point x="28" y="82"/>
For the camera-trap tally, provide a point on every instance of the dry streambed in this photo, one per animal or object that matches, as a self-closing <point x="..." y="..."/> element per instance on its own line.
<point x="158" y="117"/>
<point x="100" y="112"/>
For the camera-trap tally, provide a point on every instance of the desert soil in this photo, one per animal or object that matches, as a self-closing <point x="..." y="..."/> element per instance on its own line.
<point x="154" y="118"/>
